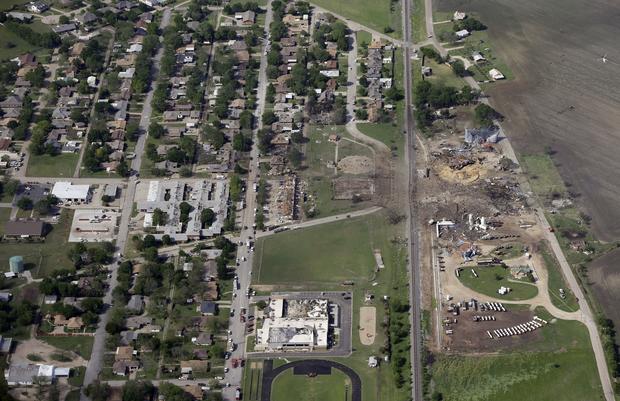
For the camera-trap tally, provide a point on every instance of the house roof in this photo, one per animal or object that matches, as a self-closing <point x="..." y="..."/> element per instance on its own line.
<point x="208" y="307"/>
<point x="24" y="228"/>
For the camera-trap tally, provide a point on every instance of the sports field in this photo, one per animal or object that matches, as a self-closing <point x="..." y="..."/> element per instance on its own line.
<point x="559" y="366"/>
<point x="329" y="253"/>
<point x="334" y="387"/>
<point x="375" y="14"/>
<point x="491" y="278"/>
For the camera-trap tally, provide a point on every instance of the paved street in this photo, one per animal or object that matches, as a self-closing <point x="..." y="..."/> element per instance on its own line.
<point x="96" y="360"/>
<point x="244" y="270"/>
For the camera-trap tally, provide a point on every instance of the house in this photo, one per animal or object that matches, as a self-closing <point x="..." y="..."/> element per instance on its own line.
<point x="459" y="16"/>
<point x="75" y="323"/>
<point x="124" y="368"/>
<point x="23" y="17"/>
<point x="50" y="299"/>
<point x="246" y="17"/>
<point x="495" y="74"/>
<point x="477" y="57"/>
<point x="137" y="322"/>
<point x="127" y="74"/>
<point x="463" y="33"/>
<point x="86" y="18"/>
<point x="124" y="353"/>
<point x="128" y="337"/>
<point x="11" y="102"/>
<point x="28" y="374"/>
<point x="64" y="28"/>
<point x="208" y="308"/>
<point x="427" y="71"/>
<point x="188" y="367"/>
<point x="134" y="48"/>
<point x="5" y="344"/>
<point x="478" y="136"/>
<point x="37" y="7"/>
<point x="136" y="304"/>
<point x="24" y="229"/>
<point x="203" y="339"/>
<point x="5" y="296"/>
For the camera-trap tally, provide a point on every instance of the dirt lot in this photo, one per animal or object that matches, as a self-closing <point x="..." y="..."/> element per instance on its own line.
<point x="44" y="351"/>
<point x="470" y="336"/>
<point x="347" y="187"/>
<point x="368" y="324"/>
<point x="605" y="278"/>
<point x="356" y="165"/>
<point x="554" y="49"/>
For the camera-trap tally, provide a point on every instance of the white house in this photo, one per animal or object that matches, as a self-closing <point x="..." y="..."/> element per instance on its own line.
<point x="459" y="16"/>
<point x="496" y="74"/>
<point x="463" y="33"/>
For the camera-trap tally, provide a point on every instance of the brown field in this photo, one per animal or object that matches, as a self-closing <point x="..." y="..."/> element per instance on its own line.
<point x="562" y="96"/>
<point x="604" y="277"/>
<point x="470" y="336"/>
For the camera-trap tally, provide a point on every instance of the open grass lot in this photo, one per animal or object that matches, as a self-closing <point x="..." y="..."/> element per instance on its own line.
<point x="62" y="165"/>
<point x="7" y="5"/>
<point x="12" y="45"/>
<point x="491" y="278"/>
<point x="5" y="214"/>
<point x="560" y="365"/>
<point x="443" y="75"/>
<point x="81" y="345"/>
<point x="362" y="37"/>
<point x="329" y="253"/>
<point x="375" y="14"/>
<point x="43" y="258"/>
<point x="543" y="176"/>
<point x="288" y="386"/>
<point x="418" y="23"/>
<point x="556" y="281"/>
<point x="318" y="152"/>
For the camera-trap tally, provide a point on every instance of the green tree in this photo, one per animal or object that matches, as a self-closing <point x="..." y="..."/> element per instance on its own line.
<point x="24" y="203"/>
<point x="207" y="217"/>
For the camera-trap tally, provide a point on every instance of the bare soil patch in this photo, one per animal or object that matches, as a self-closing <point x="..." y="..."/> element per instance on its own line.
<point x="356" y="165"/>
<point x="368" y="325"/>
<point x="604" y="277"/>
<point x="349" y="187"/>
<point x="471" y="337"/>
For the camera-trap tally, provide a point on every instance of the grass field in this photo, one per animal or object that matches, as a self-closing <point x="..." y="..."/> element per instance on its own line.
<point x="288" y="386"/>
<point x="42" y="258"/>
<point x="62" y="165"/>
<point x="362" y="37"/>
<point x="443" y="75"/>
<point x="81" y="345"/>
<point x="418" y="22"/>
<point x="7" y="5"/>
<point x="318" y="152"/>
<point x="543" y="176"/>
<point x="491" y="278"/>
<point x="560" y="365"/>
<point x="329" y="253"/>
<point x="12" y="45"/>
<point x="375" y="14"/>
<point x="556" y="281"/>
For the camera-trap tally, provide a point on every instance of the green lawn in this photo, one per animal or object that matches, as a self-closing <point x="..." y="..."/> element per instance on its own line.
<point x="418" y="24"/>
<point x="62" y="165"/>
<point x="329" y="253"/>
<point x="556" y="281"/>
<point x="491" y="278"/>
<point x="43" y="258"/>
<point x="363" y="37"/>
<point x="5" y="214"/>
<point x="12" y="45"/>
<point x="288" y="386"/>
<point x="81" y="345"/>
<point x="443" y="75"/>
<point x="375" y="14"/>
<point x="560" y="365"/>
<point x="543" y="176"/>
<point x="7" y="5"/>
<point x="388" y="133"/>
